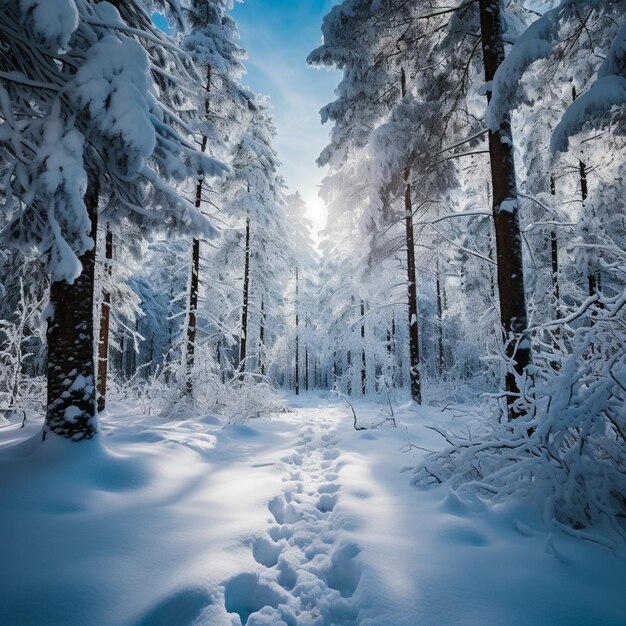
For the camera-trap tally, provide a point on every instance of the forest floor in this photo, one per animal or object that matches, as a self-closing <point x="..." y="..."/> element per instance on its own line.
<point x="295" y="519"/>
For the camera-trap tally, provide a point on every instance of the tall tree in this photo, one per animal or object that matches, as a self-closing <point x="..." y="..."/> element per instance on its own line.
<point x="513" y="313"/>
<point x="62" y="114"/>
<point x="105" y="323"/>
<point x="212" y="43"/>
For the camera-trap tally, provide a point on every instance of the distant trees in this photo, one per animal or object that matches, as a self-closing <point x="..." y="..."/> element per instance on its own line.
<point x="515" y="298"/>
<point x="211" y="43"/>
<point x="408" y="144"/>
<point x="447" y="267"/>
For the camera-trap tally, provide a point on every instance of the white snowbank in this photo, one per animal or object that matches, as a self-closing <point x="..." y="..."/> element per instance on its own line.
<point x="295" y="520"/>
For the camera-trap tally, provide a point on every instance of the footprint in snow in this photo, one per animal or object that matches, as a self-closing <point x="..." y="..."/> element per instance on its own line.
<point x="266" y="552"/>
<point x="183" y="607"/>
<point x="330" y="454"/>
<point x="327" y="502"/>
<point x="245" y="594"/>
<point x="309" y="575"/>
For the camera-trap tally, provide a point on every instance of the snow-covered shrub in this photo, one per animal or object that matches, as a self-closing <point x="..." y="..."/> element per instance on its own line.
<point x="244" y="400"/>
<point x="20" y="391"/>
<point x="162" y="390"/>
<point x="568" y="453"/>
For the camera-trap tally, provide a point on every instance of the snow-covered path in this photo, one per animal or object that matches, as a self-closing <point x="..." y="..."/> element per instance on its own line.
<point x="309" y="571"/>
<point x="296" y="520"/>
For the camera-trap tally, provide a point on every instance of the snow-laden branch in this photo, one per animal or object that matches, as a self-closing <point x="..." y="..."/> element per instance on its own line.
<point x="453" y="215"/>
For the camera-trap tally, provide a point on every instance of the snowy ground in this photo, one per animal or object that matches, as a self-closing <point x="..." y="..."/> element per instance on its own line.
<point x="293" y="520"/>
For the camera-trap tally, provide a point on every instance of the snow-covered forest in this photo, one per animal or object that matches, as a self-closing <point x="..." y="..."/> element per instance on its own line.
<point x="210" y="413"/>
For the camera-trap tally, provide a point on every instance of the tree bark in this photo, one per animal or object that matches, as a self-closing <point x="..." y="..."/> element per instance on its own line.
<point x="71" y="392"/>
<point x="554" y="258"/>
<point x="262" y="338"/>
<point x="244" y="308"/>
<point x="306" y="368"/>
<point x="297" y="382"/>
<point x="105" y="322"/>
<point x="506" y="216"/>
<point x="363" y="362"/>
<point x="414" y="349"/>
<point x="439" y="325"/>
<point x="218" y="356"/>
<point x="192" y="315"/>
<point x="195" y="265"/>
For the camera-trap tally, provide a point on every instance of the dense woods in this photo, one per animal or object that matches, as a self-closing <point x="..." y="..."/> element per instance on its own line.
<point x="475" y="250"/>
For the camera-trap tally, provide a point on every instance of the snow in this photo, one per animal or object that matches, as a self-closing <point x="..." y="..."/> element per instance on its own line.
<point x="297" y="519"/>
<point x="114" y="86"/>
<point x="606" y="96"/>
<point x="54" y="21"/>
<point x="510" y="205"/>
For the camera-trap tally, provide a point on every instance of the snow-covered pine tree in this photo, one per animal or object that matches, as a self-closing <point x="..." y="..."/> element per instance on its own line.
<point x="82" y="123"/>
<point x="212" y="43"/>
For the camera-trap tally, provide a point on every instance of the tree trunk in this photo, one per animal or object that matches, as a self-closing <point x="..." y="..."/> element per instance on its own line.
<point x="262" y="338"/>
<point x="195" y="264"/>
<point x="71" y="394"/>
<point x="592" y="275"/>
<point x="105" y="319"/>
<point x="192" y="316"/>
<point x="297" y="385"/>
<point x="306" y="368"/>
<point x="505" y="215"/>
<point x="244" y="308"/>
<point x="554" y="256"/>
<point x="439" y="325"/>
<point x="133" y="349"/>
<point x="218" y="356"/>
<point x="414" y="349"/>
<point x="123" y="354"/>
<point x="363" y="362"/>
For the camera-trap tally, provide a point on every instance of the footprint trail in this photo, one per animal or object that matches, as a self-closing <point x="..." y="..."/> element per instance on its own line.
<point x="307" y="573"/>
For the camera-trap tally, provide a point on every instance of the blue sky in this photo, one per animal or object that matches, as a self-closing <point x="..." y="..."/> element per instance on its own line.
<point x="278" y="35"/>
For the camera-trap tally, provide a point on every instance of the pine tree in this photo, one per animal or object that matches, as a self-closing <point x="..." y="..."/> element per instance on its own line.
<point x="93" y="127"/>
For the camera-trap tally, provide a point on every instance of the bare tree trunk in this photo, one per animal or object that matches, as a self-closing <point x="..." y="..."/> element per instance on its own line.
<point x="123" y="354"/>
<point x="554" y="257"/>
<point x="505" y="215"/>
<point x="492" y="278"/>
<point x="363" y="362"/>
<point x="218" y="356"/>
<point x="195" y="264"/>
<point x="262" y="338"/>
<point x="306" y="368"/>
<point x="105" y="322"/>
<point x="133" y="348"/>
<point x="592" y="277"/>
<point x="244" y="308"/>
<point x="439" y="325"/>
<point x="192" y="316"/>
<point x="414" y="348"/>
<point x="297" y="385"/>
<point x="71" y="393"/>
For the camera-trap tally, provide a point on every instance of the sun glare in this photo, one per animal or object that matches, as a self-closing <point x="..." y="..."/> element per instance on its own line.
<point x="317" y="212"/>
